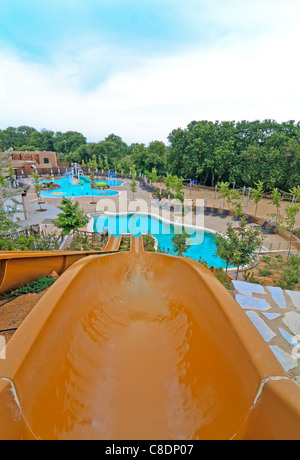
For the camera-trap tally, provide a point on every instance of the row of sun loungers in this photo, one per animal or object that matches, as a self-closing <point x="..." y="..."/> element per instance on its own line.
<point x="265" y="229"/>
<point x="215" y="212"/>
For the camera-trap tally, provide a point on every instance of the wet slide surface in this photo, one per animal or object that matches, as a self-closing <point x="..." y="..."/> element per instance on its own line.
<point x="142" y="346"/>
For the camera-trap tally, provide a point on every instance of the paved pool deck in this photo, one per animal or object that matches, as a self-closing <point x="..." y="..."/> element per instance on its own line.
<point x="276" y="315"/>
<point x="142" y="202"/>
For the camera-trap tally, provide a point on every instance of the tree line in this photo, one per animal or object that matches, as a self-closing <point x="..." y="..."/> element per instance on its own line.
<point x="243" y="152"/>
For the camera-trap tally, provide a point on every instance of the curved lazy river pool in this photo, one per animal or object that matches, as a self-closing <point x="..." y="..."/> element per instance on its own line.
<point x="202" y="242"/>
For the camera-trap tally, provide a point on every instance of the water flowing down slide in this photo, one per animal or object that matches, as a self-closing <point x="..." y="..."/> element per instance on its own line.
<point x="139" y="346"/>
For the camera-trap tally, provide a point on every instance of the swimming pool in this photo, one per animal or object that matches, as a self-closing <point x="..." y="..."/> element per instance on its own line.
<point x="71" y="187"/>
<point x="202" y="242"/>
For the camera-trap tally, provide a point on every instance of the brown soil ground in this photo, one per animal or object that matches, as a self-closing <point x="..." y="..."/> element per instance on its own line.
<point x="13" y="312"/>
<point x="269" y="272"/>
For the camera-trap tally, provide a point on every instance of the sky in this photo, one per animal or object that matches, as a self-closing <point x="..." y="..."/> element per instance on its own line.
<point x="142" y="68"/>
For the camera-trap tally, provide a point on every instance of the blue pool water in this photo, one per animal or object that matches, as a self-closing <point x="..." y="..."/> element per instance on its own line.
<point x="70" y="188"/>
<point x="202" y="243"/>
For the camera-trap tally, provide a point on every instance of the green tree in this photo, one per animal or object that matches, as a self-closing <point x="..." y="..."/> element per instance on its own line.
<point x="7" y="225"/>
<point x="71" y="218"/>
<point x="153" y="176"/>
<point x="276" y="201"/>
<point x="295" y="191"/>
<point x="68" y="142"/>
<point x="257" y="194"/>
<point x="93" y="186"/>
<point x="235" y="199"/>
<point x="6" y="178"/>
<point x="224" y="192"/>
<point x="225" y="245"/>
<point x="175" y="184"/>
<point x="92" y="164"/>
<point x="238" y="245"/>
<point x="120" y="149"/>
<point x="180" y="243"/>
<point x="133" y="184"/>
<point x="288" y="222"/>
<point x="37" y="187"/>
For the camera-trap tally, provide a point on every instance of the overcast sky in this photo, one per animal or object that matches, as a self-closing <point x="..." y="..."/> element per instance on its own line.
<point x="141" y="68"/>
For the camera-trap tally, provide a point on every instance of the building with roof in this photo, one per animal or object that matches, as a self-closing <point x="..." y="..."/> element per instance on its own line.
<point x="41" y="162"/>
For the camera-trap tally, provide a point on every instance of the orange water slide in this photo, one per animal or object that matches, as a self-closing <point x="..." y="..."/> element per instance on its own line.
<point x="113" y="243"/>
<point x="22" y="267"/>
<point x="139" y="345"/>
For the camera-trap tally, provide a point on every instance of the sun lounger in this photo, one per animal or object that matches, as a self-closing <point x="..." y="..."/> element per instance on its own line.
<point x="249" y="220"/>
<point x="263" y="226"/>
<point x="207" y="211"/>
<point x="215" y="212"/>
<point x="224" y="214"/>
<point x="269" y="230"/>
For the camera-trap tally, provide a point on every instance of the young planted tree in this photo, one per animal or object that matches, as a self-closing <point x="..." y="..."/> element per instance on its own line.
<point x="71" y="217"/>
<point x="133" y="184"/>
<point x="224" y="192"/>
<point x="276" y="201"/>
<point x="168" y="183"/>
<point x="181" y="243"/>
<point x="92" y="164"/>
<point x="179" y="190"/>
<point x="288" y="222"/>
<point x="237" y="247"/>
<point x="37" y="188"/>
<point x="257" y="194"/>
<point x="295" y="191"/>
<point x="175" y="184"/>
<point x="93" y="186"/>
<point x="153" y="176"/>
<point x="236" y="200"/>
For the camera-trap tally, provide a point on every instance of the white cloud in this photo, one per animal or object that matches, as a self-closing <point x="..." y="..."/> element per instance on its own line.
<point x="147" y="97"/>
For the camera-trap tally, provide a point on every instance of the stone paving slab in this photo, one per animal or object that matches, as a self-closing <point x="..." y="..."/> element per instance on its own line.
<point x="276" y="315"/>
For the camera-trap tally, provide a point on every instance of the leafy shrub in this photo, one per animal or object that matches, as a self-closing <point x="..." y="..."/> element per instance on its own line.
<point x="33" y="243"/>
<point x="149" y="243"/>
<point x="297" y="232"/>
<point x="264" y="272"/>
<point x="222" y="277"/>
<point x="34" y="287"/>
<point x="250" y="278"/>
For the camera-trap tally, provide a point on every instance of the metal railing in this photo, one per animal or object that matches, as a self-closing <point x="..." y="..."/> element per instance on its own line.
<point x="280" y="246"/>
